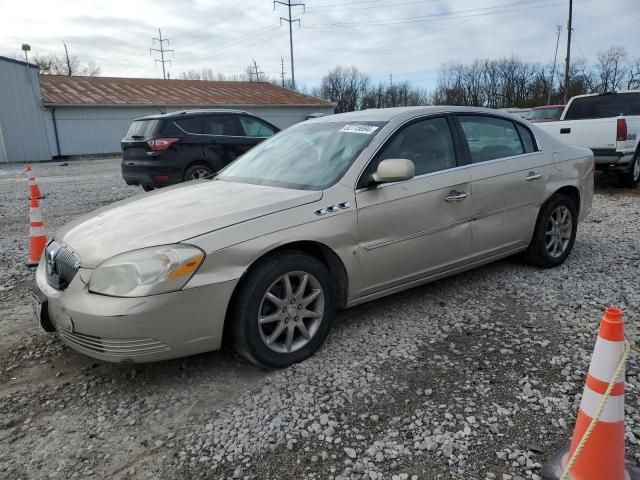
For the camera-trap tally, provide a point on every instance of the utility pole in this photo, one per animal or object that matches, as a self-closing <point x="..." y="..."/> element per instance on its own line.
<point x="254" y="71"/>
<point x="282" y="70"/>
<point x="553" y="70"/>
<point x="290" y="21"/>
<point x="66" y="52"/>
<point x="391" y="79"/>
<point x="162" y="51"/>
<point x="568" y="59"/>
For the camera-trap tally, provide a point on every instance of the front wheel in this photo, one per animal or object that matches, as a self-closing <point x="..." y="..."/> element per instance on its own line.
<point x="283" y="311"/>
<point x="554" y="234"/>
<point x="631" y="177"/>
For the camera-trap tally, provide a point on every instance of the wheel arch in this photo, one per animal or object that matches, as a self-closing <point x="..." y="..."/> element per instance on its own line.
<point x="321" y="252"/>
<point x="572" y="192"/>
<point x="199" y="161"/>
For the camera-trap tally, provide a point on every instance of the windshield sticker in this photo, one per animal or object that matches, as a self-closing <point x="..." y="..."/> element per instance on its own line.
<point x="353" y="128"/>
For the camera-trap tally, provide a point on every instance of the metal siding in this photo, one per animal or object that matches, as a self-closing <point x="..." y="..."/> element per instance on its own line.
<point x="22" y="119"/>
<point x="95" y="130"/>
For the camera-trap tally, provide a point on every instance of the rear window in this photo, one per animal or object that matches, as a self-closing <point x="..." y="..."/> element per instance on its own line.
<point x="490" y="138"/>
<point x="552" y="113"/>
<point x="143" y="128"/>
<point x="602" y="106"/>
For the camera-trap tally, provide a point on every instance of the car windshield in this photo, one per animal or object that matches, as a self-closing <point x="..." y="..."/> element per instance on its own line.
<point x="309" y="156"/>
<point x="142" y="128"/>
<point x="552" y="113"/>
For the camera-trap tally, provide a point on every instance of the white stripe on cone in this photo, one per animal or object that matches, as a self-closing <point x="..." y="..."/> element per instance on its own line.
<point x="37" y="232"/>
<point x="35" y="214"/>
<point x="613" y="410"/>
<point x="605" y="359"/>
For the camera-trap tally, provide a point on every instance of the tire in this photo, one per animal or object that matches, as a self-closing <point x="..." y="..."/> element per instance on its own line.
<point x="251" y="337"/>
<point x="544" y="251"/>
<point x="147" y="188"/>
<point x="197" y="171"/>
<point x="631" y="177"/>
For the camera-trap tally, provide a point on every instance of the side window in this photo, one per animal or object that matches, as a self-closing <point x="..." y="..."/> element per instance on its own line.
<point x="255" y="128"/>
<point x="218" y="125"/>
<point x="428" y="143"/>
<point x="527" y="139"/>
<point x="490" y="138"/>
<point x="190" y="125"/>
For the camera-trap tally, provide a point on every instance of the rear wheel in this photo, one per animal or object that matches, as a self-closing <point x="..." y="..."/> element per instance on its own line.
<point x="283" y="311"/>
<point x="631" y="177"/>
<point x="197" y="171"/>
<point x="147" y="188"/>
<point x="554" y="234"/>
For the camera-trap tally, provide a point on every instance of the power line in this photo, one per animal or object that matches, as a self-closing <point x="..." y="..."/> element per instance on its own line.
<point x="161" y="50"/>
<point x="290" y="21"/>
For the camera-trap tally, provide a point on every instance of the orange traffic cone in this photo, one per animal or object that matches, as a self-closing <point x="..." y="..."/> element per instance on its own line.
<point x="602" y="456"/>
<point x="37" y="234"/>
<point x="34" y="190"/>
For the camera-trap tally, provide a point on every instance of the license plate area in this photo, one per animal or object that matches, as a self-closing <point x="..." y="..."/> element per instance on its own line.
<point x="40" y="306"/>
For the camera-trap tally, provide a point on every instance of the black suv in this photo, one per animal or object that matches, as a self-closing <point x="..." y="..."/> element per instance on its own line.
<point x="161" y="150"/>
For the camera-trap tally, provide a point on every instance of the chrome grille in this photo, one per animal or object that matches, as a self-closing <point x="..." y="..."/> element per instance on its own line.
<point x="113" y="346"/>
<point x="62" y="265"/>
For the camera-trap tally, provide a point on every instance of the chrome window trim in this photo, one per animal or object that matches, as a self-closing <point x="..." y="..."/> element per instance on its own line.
<point x="213" y="134"/>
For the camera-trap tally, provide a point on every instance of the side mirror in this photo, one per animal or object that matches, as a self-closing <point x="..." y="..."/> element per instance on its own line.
<point x="394" y="170"/>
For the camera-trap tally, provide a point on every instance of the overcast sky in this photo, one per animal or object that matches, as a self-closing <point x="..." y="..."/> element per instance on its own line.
<point x="407" y="38"/>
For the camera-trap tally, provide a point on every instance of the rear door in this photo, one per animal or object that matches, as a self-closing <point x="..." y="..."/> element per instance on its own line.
<point x="223" y="139"/>
<point x="508" y="175"/>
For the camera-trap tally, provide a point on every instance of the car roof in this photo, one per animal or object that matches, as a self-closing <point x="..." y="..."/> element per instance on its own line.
<point x="402" y="113"/>
<point x="201" y="111"/>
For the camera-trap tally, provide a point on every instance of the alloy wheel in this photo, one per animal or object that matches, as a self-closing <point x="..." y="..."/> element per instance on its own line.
<point x="636" y="169"/>
<point x="199" y="173"/>
<point x="291" y="312"/>
<point x="559" y="229"/>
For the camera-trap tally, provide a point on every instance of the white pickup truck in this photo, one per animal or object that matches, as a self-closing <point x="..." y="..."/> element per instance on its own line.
<point x="608" y="124"/>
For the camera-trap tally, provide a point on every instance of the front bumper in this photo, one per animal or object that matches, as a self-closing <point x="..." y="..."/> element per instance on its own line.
<point x="150" y="173"/>
<point x="143" y="329"/>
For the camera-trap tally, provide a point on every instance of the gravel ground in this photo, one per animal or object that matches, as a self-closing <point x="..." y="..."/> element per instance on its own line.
<point x="475" y="376"/>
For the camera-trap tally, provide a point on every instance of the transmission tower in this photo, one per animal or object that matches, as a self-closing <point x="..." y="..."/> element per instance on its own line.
<point x="553" y="70"/>
<point x="162" y="51"/>
<point x="290" y="21"/>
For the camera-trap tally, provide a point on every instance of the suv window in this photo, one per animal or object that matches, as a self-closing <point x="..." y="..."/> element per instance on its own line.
<point x="143" y="128"/>
<point x="490" y="138"/>
<point x="428" y="143"/>
<point x="602" y="106"/>
<point x="190" y="125"/>
<point x="218" y="125"/>
<point x="255" y="128"/>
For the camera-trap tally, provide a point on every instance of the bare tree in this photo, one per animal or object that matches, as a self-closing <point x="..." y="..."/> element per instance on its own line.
<point x="345" y="86"/>
<point x="633" y="75"/>
<point x="52" y="64"/>
<point x="610" y="69"/>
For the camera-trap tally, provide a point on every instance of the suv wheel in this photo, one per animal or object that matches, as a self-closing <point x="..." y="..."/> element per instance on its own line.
<point x="631" y="177"/>
<point x="195" y="172"/>
<point x="554" y="234"/>
<point x="283" y="311"/>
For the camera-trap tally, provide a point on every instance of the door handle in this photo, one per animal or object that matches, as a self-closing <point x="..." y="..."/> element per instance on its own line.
<point x="455" y="196"/>
<point x="565" y="130"/>
<point x="533" y="176"/>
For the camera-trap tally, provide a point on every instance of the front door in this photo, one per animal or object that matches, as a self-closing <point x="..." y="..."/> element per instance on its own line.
<point x="413" y="229"/>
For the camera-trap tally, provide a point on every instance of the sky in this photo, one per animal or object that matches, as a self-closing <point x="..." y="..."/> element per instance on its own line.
<point x="408" y="39"/>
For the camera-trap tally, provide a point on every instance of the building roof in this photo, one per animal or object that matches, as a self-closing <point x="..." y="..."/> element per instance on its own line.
<point x="58" y="90"/>
<point x="19" y="62"/>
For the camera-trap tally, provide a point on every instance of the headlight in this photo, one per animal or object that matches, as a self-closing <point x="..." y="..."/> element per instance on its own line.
<point x="148" y="271"/>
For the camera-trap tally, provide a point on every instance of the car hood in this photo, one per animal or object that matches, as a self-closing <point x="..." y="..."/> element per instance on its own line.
<point x="173" y="215"/>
